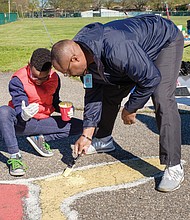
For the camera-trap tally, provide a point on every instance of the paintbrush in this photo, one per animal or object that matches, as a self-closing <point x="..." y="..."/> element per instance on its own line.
<point x="70" y="166"/>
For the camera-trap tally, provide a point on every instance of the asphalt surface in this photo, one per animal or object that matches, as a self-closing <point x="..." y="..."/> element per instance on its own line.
<point x="118" y="185"/>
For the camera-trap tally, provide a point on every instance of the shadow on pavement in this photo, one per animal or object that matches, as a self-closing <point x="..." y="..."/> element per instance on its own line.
<point x="185" y="127"/>
<point x="134" y="161"/>
<point x="150" y="122"/>
<point x="3" y="158"/>
<point x="64" y="147"/>
<point x="131" y="160"/>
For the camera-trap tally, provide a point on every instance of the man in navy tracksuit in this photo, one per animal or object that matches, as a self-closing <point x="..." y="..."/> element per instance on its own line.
<point x="144" y="52"/>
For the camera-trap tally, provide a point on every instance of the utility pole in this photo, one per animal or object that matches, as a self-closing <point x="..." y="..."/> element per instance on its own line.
<point x="42" y="15"/>
<point x="9" y="9"/>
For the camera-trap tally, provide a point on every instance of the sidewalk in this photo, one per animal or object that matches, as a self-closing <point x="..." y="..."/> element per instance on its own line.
<point x="119" y="185"/>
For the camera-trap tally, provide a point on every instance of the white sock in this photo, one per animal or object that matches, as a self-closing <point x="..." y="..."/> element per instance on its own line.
<point x="14" y="155"/>
<point x="177" y="167"/>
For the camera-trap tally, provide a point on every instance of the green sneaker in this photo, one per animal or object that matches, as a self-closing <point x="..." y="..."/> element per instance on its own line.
<point x="39" y="144"/>
<point x="16" y="166"/>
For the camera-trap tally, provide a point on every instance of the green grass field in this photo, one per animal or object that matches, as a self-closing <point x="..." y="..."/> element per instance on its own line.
<point x="20" y="38"/>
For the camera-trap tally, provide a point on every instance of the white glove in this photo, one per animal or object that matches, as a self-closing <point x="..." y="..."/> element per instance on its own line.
<point x="71" y="113"/>
<point x="29" y="111"/>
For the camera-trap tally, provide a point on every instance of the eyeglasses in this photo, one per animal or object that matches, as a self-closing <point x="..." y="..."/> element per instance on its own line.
<point x="35" y="78"/>
<point x="39" y="78"/>
<point x="68" y="71"/>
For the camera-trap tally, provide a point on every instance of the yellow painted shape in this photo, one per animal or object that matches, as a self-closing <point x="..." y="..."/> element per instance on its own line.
<point x="55" y="189"/>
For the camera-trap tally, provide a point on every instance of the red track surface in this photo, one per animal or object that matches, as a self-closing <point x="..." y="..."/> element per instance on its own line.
<point x="11" y="201"/>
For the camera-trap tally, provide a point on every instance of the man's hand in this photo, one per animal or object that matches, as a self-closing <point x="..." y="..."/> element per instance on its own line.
<point x="81" y="146"/>
<point x="84" y="141"/>
<point x="29" y="111"/>
<point x="128" y="118"/>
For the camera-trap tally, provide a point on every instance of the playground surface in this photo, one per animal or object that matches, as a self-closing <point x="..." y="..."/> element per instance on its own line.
<point x="118" y="185"/>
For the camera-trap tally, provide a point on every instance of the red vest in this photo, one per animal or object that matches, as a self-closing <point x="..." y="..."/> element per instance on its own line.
<point x="42" y="94"/>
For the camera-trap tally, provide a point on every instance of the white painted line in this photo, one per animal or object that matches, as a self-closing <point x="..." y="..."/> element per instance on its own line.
<point x="32" y="204"/>
<point x="73" y="214"/>
<point x="26" y="181"/>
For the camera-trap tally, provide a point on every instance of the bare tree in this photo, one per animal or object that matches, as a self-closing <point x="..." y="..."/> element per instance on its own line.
<point x="68" y="5"/>
<point x="97" y="4"/>
<point x="108" y="3"/>
<point x="125" y="4"/>
<point x="82" y="5"/>
<point x="4" y="6"/>
<point x="139" y="4"/>
<point x="55" y="3"/>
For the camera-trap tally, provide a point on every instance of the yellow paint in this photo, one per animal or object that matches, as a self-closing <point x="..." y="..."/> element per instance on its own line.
<point x="55" y="190"/>
<point x="68" y="171"/>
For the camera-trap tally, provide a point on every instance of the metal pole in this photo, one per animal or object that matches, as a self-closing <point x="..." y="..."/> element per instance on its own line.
<point x="167" y="12"/>
<point x="9" y="6"/>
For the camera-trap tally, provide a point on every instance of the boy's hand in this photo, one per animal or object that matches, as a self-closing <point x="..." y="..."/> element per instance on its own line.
<point x="71" y="112"/>
<point x="29" y="111"/>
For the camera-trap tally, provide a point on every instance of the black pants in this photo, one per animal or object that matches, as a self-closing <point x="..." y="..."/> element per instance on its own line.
<point x="167" y="115"/>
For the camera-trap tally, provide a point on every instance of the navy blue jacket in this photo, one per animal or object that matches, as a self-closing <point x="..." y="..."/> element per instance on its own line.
<point x="124" y="52"/>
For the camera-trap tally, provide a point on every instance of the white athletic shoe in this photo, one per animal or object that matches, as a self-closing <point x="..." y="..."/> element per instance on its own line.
<point x="99" y="146"/>
<point x="172" y="178"/>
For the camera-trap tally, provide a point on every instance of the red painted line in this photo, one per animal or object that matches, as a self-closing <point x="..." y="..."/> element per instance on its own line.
<point x="11" y="201"/>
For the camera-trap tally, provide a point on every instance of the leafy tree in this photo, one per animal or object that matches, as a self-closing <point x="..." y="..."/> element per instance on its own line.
<point x="33" y="6"/>
<point x="4" y="6"/>
<point x="172" y="4"/>
<point x="71" y="5"/>
<point x="83" y="5"/>
<point x="55" y="3"/>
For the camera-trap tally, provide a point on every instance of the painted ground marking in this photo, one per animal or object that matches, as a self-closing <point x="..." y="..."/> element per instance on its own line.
<point x="11" y="203"/>
<point x="56" y="192"/>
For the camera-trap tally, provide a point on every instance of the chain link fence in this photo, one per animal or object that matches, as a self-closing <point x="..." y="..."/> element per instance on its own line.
<point x="7" y="17"/>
